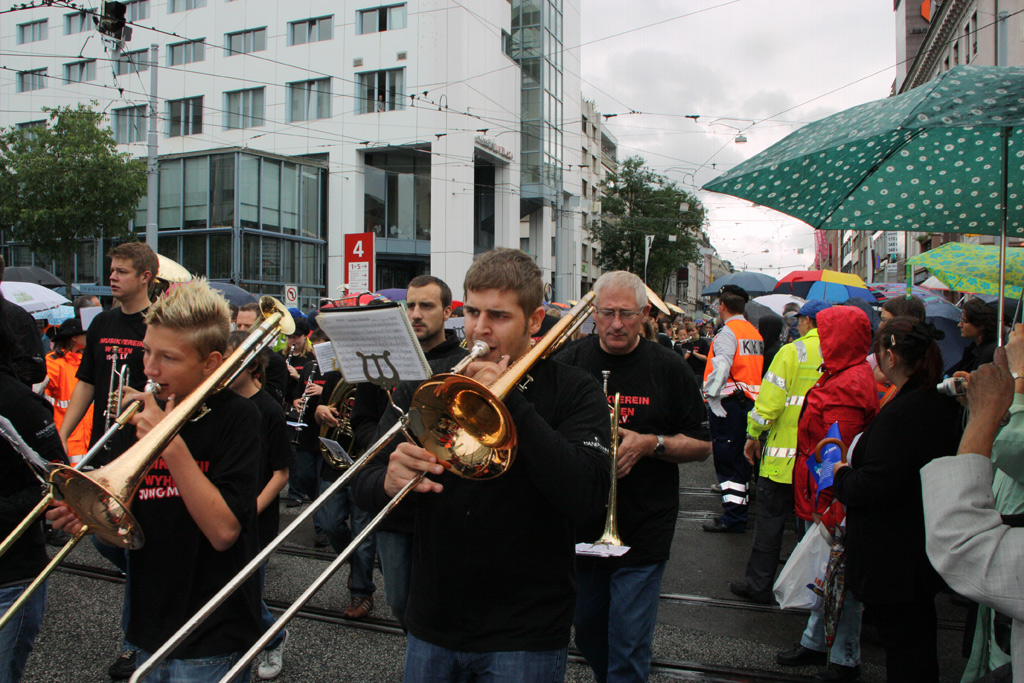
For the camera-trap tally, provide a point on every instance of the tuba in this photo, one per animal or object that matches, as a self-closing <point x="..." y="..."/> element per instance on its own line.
<point x="342" y="399"/>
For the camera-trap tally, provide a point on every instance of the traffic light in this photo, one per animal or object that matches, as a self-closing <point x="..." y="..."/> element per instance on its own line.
<point x="111" y="22"/>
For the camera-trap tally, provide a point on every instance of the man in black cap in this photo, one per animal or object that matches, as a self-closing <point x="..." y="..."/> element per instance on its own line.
<point x="732" y="381"/>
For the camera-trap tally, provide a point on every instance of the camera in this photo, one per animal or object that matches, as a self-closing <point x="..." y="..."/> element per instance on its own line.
<point x="952" y="386"/>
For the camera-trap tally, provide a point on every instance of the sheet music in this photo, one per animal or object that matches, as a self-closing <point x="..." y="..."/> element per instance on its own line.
<point x="336" y="449"/>
<point x="87" y="314"/>
<point x="601" y="550"/>
<point x="382" y="335"/>
<point x="325" y="358"/>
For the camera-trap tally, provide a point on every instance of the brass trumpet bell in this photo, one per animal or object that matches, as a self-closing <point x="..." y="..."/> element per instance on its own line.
<point x="465" y="426"/>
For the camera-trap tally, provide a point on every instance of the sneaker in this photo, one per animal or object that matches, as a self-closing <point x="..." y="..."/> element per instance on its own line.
<point x="271" y="661"/>
<point x="123" y="667"/>
<point x="293" y="503"/>
<point x="359" y="608"/>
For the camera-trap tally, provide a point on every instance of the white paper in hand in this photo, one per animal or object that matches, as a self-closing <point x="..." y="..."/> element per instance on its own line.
<point x="601" y="549"/>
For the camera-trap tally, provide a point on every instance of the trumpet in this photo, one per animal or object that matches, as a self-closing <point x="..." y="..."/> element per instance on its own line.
<point x="101" y="498"/>
<point x="611" y="526"/>
<point x="401" y="426"/>
<point x="119" y="379"/>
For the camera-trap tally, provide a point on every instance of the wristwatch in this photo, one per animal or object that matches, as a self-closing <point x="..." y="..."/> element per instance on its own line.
<point x="659" y="450"/>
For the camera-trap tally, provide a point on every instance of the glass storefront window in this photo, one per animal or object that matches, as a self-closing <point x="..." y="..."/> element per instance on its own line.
<point x="248" y="191"/>
<point x="397" y="196"/>
<point x="375" y="202"/>
<point x="310" y="202"/>
<point x="271" y="259"/>
<point x="222" y="191"/>
<point x="251" y="257"/>
<point x="170" y="195"/>
<point x="272" y="195"/>
<point x="168" y="246"/>
<point x="289" y="261"/>
<point x="289" y="199"/>
<point x="194" y="254"/>
<point x="220" y="257"/>
<point x="309" y="264"/>
<point x="86" y="262"/>
<point x="197" y="182"/>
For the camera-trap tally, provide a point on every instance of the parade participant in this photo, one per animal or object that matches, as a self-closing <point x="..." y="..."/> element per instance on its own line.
<point x="303" y="375"/>
<point x="769" y="326"/>
<point x="516" y="531"/>
<point x="198" y="502"/>
<point x="114" y="340"/>
<point x="28" y="359"/>
<point x="887" y="568"/>
<point x="276" y="370"/>
<point x="32" y="418"/>
<point x="732" y="380"/>
<point x="61" y="365"/>
<point x="662" y="416"/>
<point x="429" y="305"/>
<point x="844" y="395"/>
<point x="277" y="455"/>
<point x="978" y="323"/>
<point x="791" y="375"/>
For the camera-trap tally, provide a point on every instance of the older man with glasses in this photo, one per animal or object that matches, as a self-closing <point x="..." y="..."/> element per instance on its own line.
<point x="662" y="418"/>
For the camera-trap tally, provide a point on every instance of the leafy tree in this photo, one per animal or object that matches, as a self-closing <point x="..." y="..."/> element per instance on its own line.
<point x="638" y="202"/>
<point x="65" y="182"/>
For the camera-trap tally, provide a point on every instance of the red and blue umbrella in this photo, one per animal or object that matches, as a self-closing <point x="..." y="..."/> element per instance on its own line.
<point x="826" y="285"/>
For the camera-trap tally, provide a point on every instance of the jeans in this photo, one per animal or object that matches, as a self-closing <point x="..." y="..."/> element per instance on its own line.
<point x="616" y="611"/>
<point x="774" y="503"/>
<point x="119" y="558"/>
<point x="267" y="617"/>
<point x="728" y="435"/>
<point x="331" y="518"/>
<point x="846" y="646"/>
<point x="17" y="636"/>
<point x="427" y="663"/>
<point x="302" y="479"/>
<point x="197" y="670"/>
<point x="395" y="551"/>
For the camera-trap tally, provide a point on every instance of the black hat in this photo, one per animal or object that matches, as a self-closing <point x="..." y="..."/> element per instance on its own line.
<point x="733" y="289"/>
<point x="72" y="327"/>
<point x="301" y="327"/>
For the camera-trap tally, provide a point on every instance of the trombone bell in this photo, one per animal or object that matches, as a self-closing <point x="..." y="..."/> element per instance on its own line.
<point x="98" y="507"/>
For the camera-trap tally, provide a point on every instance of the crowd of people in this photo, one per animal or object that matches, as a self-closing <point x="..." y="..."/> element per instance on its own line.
<point x="756" y="398"/>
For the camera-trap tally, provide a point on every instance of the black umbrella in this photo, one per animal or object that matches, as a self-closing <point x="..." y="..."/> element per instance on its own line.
<point x="33" y="274"/>
<point x="233" y="293"/>
<point x="754" y="311"/>
<point x="755" y="284"/>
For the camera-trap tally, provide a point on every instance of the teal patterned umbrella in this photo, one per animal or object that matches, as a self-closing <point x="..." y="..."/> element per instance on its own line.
<point x="939" y="158"/>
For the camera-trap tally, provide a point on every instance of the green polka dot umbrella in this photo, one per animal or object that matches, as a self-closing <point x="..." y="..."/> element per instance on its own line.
<point x="947" y="156"/>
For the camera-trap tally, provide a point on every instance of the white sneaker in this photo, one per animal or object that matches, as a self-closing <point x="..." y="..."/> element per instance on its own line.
<point x="271" y="661"/>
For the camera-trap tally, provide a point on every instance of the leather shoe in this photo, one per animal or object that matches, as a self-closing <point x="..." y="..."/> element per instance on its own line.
<point x="838" y="674"/>
<point x="359" y="607"/>
<point x="718" y="527"/>
<point x="801" y="656"/>
<point x="740" y="591"/>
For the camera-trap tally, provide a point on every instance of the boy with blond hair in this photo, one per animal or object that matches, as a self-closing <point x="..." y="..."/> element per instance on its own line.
<point x="197" y="505"/>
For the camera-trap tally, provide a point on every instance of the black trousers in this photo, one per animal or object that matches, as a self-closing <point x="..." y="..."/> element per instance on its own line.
<point x="908" y="632"/>
<point x="774" y="503"/>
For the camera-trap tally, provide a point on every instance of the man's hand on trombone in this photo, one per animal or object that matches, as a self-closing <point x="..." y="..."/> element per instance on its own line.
<point x="406" y="462"/>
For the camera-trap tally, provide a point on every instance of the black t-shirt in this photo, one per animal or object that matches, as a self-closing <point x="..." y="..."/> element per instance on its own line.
<point x="32" y="418"/>
<point x="309" y="436"/>
<point x="701" y="346"/>
<point x="516" y="532"/>
<point x="659" y="395"/>
<point x="177" y="570"/>
<point x="277" y="377"/>
<point x="107" y="330"/>
<point x="278" y="455"/>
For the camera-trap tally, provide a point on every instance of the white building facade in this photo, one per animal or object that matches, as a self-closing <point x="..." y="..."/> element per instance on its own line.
<point x="437" y="126"/>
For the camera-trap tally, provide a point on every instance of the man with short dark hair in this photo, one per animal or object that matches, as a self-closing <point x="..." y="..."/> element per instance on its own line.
<point x="516" y="531"/>
<point x="662" y="418"/>
<point x="732" y="381"/>
<point x="28" y="361"/>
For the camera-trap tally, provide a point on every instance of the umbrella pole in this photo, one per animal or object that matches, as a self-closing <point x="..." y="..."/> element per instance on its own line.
<point x="1005" y="132"/>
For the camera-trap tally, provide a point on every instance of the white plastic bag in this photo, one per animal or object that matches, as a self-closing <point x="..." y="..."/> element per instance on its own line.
<point x="801" y="583"/>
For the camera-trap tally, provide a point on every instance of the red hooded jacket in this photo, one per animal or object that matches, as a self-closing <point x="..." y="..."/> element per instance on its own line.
<point x="845" y="393"/>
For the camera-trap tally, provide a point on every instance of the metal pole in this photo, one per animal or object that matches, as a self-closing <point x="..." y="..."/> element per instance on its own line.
<point x="152" y="166"/>
<point x="1005" y="132"/>
<point x="562" y="251"/>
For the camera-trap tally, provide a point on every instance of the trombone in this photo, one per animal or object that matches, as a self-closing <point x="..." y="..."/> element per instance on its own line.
<point x="401" y="426"/>
<point x="102" y="498"/>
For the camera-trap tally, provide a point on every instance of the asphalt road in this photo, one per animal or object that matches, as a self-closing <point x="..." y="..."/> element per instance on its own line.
<point x="703" y="632"/>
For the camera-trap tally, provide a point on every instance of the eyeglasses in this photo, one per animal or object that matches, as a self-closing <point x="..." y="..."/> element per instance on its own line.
<point x="609" y="313"/>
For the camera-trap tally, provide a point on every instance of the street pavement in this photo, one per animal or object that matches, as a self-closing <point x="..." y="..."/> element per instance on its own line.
<point x="81" y="634"/>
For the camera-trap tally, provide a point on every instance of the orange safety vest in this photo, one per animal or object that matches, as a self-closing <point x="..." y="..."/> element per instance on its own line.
<point x="747" y="363"/>
<point x="61" y="371"/>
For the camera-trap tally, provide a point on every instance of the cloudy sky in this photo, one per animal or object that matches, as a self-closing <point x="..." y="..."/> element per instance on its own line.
<point x="765" y="67"/>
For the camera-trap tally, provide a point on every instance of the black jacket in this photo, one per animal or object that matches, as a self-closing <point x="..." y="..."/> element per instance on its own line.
<point x="28" y="361"/>
<point x="886" y="561"/>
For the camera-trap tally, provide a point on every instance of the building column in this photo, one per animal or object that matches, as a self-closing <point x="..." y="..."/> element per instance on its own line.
<point x="451" y="209"/>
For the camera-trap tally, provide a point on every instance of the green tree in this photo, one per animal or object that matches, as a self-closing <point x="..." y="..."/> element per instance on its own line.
<point x="65" y="182"/>
<point x="638" y="202"/>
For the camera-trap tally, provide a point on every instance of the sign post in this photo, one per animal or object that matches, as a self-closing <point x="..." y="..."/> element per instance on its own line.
<point x="360" y="258"/>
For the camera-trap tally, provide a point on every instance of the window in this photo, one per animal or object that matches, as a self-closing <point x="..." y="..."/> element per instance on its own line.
<point x="31" y="80"/>
<point x="381" y="19"/>
<point x="130" y="124"/>
<point x="245" y="42"/>
<point x="244" y="108"/>
<point x="506" y="48"/>
<point x="132" y="62"/>
<point x="77" y="72"/>
<point x="32" y="31"/>
<point x="76" y="22"/>
<point x="182" y="5"/>
<point x="27" y="127"/>
<point x="308" y="100"/>
<point x="137" y="9"/>
<point x="310" y="30"/>
<point x="186" y="53"/>
<point x="381" y="91"/>
<point x="185" y="117"/>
